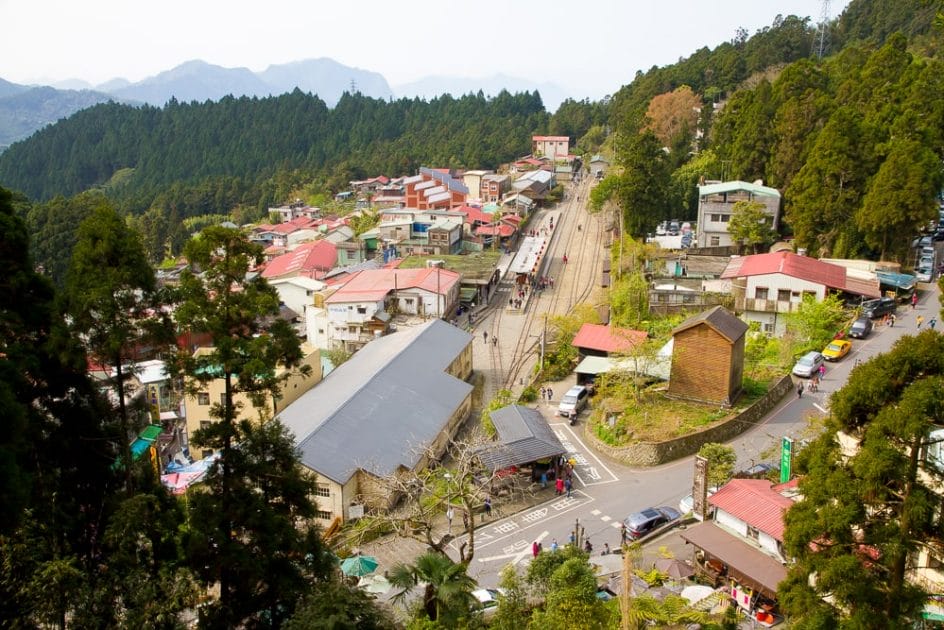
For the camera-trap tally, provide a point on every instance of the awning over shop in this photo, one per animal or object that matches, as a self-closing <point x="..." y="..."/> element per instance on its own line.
<point x="598" y="365"/>
<point x="467" y="294"/>
<point x="746" y="564"/>
<point x="901" y="281"/>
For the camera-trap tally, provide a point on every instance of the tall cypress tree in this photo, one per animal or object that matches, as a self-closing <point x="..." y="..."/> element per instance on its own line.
<point x="251" y="528"/>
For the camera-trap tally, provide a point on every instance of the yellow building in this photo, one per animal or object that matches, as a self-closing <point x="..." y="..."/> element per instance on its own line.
<point x="197" y="406"/>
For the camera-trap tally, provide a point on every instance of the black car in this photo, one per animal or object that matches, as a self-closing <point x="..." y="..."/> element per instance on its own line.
<point x="641" y="524"/>
<point x="879" y="307"/>
<point x="861" y="328"/>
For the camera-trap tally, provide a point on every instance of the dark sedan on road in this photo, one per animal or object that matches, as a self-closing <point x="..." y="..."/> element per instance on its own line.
<point x="641" y="524"/>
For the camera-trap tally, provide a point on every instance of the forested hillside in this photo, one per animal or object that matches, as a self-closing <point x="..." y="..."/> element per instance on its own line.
<point x="253" y="138"/>
<point x="855" y="144"/>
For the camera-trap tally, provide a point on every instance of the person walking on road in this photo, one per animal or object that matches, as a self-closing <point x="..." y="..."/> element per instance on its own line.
<point x="920" y="321"/>
<point x="914" y="300"/>
<point x="891" y="321"/>
<point x="535" y="549"/>
<point x="559" y="486"/>
<point x="624" y="535"/>
<point x="449" y="515"/>
<point x="822" y="371"/>
<point x="569" y="485"/>
<point x="932" y="323"/>
<point x="485" y="336"/>
<point x="799" y="390"/>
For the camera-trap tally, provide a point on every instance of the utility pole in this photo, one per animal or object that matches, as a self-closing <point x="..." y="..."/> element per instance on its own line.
<point x="627" y="579"/>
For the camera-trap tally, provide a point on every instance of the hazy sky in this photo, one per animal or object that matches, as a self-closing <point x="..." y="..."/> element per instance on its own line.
<point x="589" y="47"/>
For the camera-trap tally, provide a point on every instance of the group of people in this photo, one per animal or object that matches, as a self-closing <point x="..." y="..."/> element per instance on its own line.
<point x="547" y="393"/>
<point x="537" y="547"/>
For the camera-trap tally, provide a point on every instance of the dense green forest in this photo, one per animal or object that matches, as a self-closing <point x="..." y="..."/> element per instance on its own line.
<point x="252" y="139"/>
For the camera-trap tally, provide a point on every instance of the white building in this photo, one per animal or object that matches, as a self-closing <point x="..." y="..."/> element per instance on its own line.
<point x="715" y="205"/>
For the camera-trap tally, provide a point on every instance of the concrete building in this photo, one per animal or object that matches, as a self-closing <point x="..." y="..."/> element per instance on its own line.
<point x="766" y="286"/>
<point x="494" y="187"/>
<point x="716" y="202"/>
<point x="389" y="408"/>
<point x="360" y="310"/>
<point x="198" y="405"/>
<point x="473" y="181"/>
<point x="552" y="147"/>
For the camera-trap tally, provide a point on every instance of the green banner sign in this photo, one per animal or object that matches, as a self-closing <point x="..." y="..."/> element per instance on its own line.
<point x="786" y="459"/>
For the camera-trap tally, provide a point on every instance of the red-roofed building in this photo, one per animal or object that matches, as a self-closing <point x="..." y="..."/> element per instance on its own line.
<point x="753" y="509"/>
<point x="312" y="260"/>
<point x="362" y="307"/>
<point x="768" y="285"/>
<point x="596" y="340"/>
<point x="434" y="188"/>
<point x="742" y="545"/>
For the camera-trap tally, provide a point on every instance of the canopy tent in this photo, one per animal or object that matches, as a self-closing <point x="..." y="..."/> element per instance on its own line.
<point x="185" y="476"/>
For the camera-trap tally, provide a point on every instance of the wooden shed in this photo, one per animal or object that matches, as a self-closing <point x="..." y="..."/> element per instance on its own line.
<point x="708" y="358"/>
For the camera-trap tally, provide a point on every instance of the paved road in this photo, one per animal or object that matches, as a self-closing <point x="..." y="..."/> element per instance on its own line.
<point x="605" y="492"/>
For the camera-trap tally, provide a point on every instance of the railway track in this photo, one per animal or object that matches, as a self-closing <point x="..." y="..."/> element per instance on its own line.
<point x="573" y="285"/>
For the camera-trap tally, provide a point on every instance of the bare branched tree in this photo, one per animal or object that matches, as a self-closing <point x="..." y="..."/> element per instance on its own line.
<point x="425" y="496"/>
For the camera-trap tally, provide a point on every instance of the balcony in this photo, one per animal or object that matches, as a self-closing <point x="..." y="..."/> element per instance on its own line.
<point x="767" y="306"/>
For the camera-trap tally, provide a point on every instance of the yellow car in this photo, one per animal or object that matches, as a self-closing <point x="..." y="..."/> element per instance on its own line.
<point x="836" y="350"/>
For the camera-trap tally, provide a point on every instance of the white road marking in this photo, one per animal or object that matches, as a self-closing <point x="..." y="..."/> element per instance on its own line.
<point x="615" y="524"/>
<point x="606" y="519"/>
<point x="820" y="408"/>
<point x="580" y="453"/>
<point x="595" y="512"/>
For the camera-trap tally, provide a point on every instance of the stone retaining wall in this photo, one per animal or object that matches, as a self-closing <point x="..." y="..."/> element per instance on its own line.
<point x="656" y="453"/>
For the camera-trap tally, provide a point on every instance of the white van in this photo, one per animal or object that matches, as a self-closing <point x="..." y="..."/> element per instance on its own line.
<point x="573" y="401"/>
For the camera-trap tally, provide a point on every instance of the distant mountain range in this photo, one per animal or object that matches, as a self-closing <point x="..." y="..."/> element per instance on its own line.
<point x="25" y="109"/>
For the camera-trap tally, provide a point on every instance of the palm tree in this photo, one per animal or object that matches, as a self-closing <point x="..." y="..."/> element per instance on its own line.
<point x="671" y="611"/>
<point x="447" y="588"/>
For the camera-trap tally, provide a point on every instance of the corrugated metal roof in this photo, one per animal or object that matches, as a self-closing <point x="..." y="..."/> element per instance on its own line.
<point x="380" y="409"/>
<point x="755" y="502"/>
<point x="523" y="437"/>
<point x="606" y="339"/>
<point x="736" y="185"/>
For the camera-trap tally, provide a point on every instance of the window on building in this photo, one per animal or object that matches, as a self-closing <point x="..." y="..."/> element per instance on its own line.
<point x="935" y="563"/>
<point x="714" y="241"/>
<point x="934" y="453"/>
<point x="768" y="328"/>
<point x="325" y="515"/>
<point x="783" y="295"/>
<point x="725" y="218"/>
<point x="362" y="310"/>
<point x="760" y="293"/>
<point x="323" y="490"/>
<point x="409" y="301"/>
<point x="716" y="218"/>
<point x="752" y="533"/>
<point x="203" y="398"/>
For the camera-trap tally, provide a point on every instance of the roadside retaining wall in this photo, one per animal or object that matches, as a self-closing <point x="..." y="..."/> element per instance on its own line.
<point x="656" y="453"/>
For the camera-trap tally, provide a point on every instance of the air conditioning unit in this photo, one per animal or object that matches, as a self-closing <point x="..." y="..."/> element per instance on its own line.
<point x="431" y="264"/>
